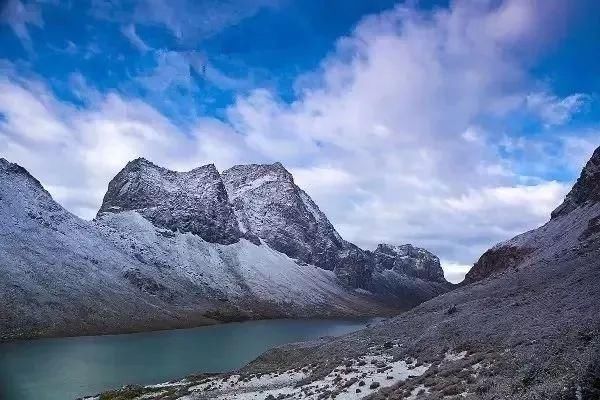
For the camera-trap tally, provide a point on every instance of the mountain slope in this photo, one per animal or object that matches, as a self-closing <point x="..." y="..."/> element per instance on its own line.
<point x="525" y="326"/>
<point x="60" y="275"/>
<point x="270" y="205"/>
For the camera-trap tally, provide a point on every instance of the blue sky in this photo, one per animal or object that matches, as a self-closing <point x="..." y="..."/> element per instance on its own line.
<point x="450" y="125"/>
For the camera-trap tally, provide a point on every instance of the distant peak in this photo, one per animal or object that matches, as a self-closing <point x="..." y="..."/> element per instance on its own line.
<point x="401" y="249"/>
<point x="15" y="169"/>
<point x="585" y="191"/>
<point x="278" y="165"/>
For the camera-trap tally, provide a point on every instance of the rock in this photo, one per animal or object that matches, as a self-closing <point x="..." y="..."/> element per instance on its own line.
<point x="195" y="201"/>
<point x="374" y="385"/>
<point x="585" y="191"/>
<point x="269" y="204"/>
<point x="409" y="260"/>
<point x="496" y="260"/>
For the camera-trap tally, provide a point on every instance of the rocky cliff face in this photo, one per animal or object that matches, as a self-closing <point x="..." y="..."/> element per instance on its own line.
<point x="269" y="205"/>
<point x="195" y="201"/>
<point x="586" y="190"/>
<point x="409" y="260"/>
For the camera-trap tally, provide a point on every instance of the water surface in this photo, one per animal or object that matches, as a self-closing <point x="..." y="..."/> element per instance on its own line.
<point x="67" y="368"/>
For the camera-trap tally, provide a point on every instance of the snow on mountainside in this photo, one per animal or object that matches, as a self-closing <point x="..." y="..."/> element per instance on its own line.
<point x="246" y="280"/>
<point x="59" y="276"/>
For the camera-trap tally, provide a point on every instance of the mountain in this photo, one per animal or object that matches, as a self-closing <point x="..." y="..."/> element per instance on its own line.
<point x="573" y="224"/>
<point x="60" y="276"/>
<point x="184" y="249"/>
<point x="193" y="201"/>
<point x="268" y="204"/>
<point x="524" y="326"/>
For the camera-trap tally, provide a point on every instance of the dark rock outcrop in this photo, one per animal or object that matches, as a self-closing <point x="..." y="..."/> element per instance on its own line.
<point x="195" y="201"/>
<point x="496" y="260"/>
<point x="409" y="260"/>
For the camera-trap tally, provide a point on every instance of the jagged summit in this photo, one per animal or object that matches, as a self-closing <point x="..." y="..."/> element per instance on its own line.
<point x="586" y="190"/>
<point x="194" y="201"/>
<point x="257" y="202"/>
<point x="271" y="206"/>
<point x="410" y="260"/>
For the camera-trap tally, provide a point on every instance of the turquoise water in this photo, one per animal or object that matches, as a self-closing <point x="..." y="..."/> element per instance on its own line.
<point x="67" y="368"/>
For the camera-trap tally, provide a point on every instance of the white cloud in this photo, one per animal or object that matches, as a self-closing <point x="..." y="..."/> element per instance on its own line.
<point x="386" y="135"/>
<point x="130" y="33"/>
<point x="553" y="110"/>
<point x="18" y="16"/>
<point x="454" y="272"/>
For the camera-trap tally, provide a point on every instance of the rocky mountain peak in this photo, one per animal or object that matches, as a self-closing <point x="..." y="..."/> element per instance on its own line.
<point x="259" y="202"/>
<point x="8" y="168"/>
<point x="585" y="191"/>
<point x="409" y="260"/>
<point x="269" y="205"/>
<point x="194" y="201"/>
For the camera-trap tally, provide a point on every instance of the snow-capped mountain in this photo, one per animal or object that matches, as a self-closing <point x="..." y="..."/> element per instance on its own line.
<point x="193" y="201"/>
<point x="268" y="204"/>
<point x="174" y="249"/>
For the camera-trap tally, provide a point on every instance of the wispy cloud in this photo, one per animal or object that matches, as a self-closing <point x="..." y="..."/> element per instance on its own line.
<point x="19" y="17"/>
<point x="553" y="110"/>
<point x="130" y="33"/>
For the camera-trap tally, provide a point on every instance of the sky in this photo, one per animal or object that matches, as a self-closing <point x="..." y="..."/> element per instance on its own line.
<point x="451" y="125"/>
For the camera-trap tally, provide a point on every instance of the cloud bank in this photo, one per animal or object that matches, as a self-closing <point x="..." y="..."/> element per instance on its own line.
<point x="399" y="135"/>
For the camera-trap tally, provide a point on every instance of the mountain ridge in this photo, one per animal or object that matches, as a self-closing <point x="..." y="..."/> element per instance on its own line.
<point x="61" y="275"/>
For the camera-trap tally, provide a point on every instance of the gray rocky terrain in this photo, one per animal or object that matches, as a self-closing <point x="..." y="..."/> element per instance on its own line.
<point x="183" y="249"/>
<point x="524" y="325"/>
